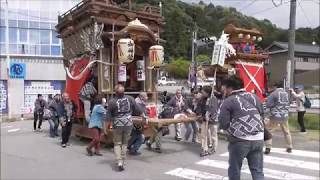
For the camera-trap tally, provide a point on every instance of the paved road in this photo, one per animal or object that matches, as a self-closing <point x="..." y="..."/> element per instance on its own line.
<point x="29" y="155"/>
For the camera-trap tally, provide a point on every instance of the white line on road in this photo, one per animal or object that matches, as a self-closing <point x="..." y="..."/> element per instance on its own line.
<point x="302" y="153"/>
<point x="14" y="130"/>
<point x="3" y="127"/>
<point x="287" y="162"/>
<point x="193" y="174"/>
<point x="267" y="172"/>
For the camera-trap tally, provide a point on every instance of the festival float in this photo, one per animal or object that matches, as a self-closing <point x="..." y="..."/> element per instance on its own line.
<point x="114" y="43"/>
<point x="237" y="52"/>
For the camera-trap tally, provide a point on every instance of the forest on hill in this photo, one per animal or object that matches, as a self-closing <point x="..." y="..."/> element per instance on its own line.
<point x="182" y="18"/>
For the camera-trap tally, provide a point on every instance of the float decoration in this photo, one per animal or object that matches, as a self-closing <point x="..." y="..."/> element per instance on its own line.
<point x="156" y="55"/>
<point x="126" y="48"/>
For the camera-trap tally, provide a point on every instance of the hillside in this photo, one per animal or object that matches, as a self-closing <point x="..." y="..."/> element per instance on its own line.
<point x="182" y="18"/>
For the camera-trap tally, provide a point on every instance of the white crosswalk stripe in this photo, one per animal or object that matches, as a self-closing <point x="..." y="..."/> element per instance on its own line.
<point x="245" y="169"/>
<point x="288" y="162"/>
<point x="296" y="153"/>
<point x="276" y="166"/>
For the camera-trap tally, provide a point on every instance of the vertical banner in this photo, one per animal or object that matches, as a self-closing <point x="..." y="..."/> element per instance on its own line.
<point x="3" y="97"/>
<point x="218" y="55"/>
<point x="122" y="74"/>
<point x="141" y="75"/>
<point x="288" y="77"/>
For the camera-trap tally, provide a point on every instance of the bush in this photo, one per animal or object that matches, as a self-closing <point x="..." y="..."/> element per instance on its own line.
<point x="311" y="121"/>
<point x="178" y="68"/>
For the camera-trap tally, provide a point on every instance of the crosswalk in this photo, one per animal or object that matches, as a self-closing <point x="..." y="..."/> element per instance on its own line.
<point x="298" y="165"/>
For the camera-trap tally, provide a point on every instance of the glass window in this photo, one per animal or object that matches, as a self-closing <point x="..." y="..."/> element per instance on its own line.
<point x="2" y="48"/>
<point x="44" y="37"/>
<point x="34" y="24"/>
<point x="2" y="22"/>
<point x="12" y="14"/>
<point x="34" y="49"/>
<point x="13" y="48"/>
<point x="53" y="25"/>
<point x="22" y="49"/>
<point x="23" y="35"/>
<point x="34" y="36"/>
<point x="45" y="50"/>
<point x="2" y="34"/>
<point x="13" y="23"/>
<point x="55" y="40"/>
<point x="34" y="15"/>
<point x="13" y="35"/>
<point x="44" y="16"/>
<point x="23" y="14"/>
<point x="55" y="50"/>
<point x="44" y="25"/>
<point x="22" y="24"/>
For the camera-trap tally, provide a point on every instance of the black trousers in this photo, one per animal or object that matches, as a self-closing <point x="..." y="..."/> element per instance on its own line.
<point x="66" y="132"/>
<point x="301" y="120"/>
<point x="37" y="116"/>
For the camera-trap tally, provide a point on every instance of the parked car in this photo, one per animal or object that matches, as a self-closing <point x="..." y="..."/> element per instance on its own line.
<point x="163" y="81"/>
<point x="200" y="82"/>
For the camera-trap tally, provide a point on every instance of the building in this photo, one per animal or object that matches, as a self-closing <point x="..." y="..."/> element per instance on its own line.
<point x="307" y="58"/>
<point x="34" y="55"/>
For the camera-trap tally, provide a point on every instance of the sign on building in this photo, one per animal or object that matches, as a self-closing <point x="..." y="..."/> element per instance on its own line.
<point x="17" y="70"/>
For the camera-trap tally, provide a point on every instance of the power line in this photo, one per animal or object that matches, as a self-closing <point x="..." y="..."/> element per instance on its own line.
<point x="248" y="5"/>
<point x="267" y="9"/>
<point x="304" y="13"/>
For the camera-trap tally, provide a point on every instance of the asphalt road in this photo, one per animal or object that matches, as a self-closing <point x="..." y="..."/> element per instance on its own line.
<point x="33" y="155"/>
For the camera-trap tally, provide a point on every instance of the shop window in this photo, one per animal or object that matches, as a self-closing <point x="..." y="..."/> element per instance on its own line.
<point x="44" y="37"/>
<point x="34" y="15"/>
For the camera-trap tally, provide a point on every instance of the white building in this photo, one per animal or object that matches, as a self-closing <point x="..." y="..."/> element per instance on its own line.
<point x="33" y="57"/>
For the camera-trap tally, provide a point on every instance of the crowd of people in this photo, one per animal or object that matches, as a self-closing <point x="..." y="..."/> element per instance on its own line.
<point x="239" y="114"/>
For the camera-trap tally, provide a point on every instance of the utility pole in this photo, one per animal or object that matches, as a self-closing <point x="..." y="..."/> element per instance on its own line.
<point x="291" y="43"/>
<point x="194" y="55"/>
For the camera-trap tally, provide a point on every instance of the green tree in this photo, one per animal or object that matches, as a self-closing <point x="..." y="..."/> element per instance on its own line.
<point x="178" y="68"/>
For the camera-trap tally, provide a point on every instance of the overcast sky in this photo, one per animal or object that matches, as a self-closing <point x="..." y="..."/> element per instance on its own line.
<point x="307" y="10"/>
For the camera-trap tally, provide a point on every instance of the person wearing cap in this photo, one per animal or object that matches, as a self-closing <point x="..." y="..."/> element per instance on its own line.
<point x="300" y="97"/>
<point x="278" y="103"/>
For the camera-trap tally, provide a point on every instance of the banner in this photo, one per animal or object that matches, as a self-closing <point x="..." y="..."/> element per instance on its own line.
<point x="141" y="75"/>
<point x="253" y="76"/>
<point x="122" y="74"/>
<point x="17" y="70"/>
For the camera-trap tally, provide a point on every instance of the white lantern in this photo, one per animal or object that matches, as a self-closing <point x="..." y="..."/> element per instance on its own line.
<point x="259" y="38"/>
<point x="125" y="50"/>
<point x="141" y="75"/>
<point x="248" y="36"/>
<point x="156" y="55"/>
<point x="240" y="36"/>
<point x="254" y="38"/>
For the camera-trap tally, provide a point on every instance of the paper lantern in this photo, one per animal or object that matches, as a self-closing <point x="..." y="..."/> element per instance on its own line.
<point x="125" y="50"/>
<point x="141" y="75"/>
<point x="156" y="55"/>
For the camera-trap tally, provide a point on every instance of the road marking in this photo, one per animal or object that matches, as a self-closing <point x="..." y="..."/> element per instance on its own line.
<point x="6" y="127"/>
<point x="270" y="173"/>
<point x="287" y="162"/>
<point x="302" y="153"/>
<point x="194" y="174"/>
<point x="14" y="130"/>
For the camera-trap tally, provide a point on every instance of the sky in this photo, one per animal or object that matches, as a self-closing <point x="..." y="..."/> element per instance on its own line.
<point x="307" y="10"/>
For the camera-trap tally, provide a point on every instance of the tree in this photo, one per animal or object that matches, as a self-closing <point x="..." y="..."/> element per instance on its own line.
<point x="178" y="68"/>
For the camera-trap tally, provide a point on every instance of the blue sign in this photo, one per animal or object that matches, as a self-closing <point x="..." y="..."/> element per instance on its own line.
<point x="17" y="70"/>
